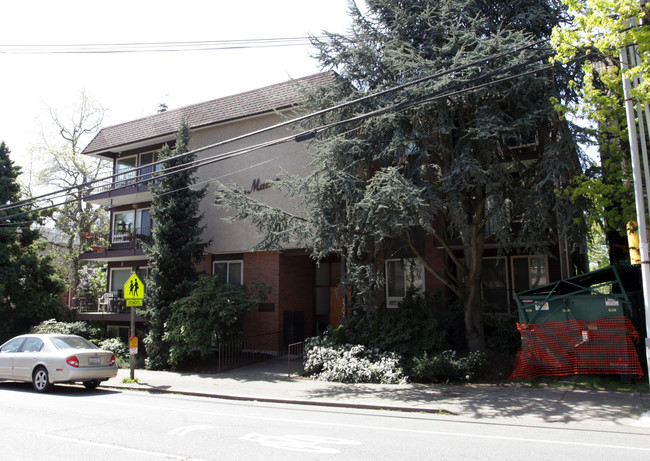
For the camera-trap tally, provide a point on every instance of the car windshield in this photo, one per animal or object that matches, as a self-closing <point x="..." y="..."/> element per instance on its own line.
<point x="72" y="342"/>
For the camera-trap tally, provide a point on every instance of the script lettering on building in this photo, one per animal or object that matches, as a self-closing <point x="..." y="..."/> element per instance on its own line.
<point x="258" y="186"/>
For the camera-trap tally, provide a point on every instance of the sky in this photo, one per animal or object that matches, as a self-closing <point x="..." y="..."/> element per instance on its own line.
<point x="132" y="85"/>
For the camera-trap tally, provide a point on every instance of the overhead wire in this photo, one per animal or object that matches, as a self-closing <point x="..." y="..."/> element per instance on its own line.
<point x="147" y="47"/>
<point x="304" y="117"/>
<point x="400" y="106"/>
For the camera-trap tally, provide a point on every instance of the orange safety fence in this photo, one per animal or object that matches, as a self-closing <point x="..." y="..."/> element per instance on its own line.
<point x="574" y="347"/>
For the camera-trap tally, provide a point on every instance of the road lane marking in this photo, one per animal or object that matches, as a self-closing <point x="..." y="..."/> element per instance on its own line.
<point x="302" y="443"/>
<point x="389" y="429"/>
<point x="115" y="447"/>
<point x="183" y="431"/>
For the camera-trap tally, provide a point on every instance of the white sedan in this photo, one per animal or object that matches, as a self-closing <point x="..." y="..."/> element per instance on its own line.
<point x="45" y="359"/>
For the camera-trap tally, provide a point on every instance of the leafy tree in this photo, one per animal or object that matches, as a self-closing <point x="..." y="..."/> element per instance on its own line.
<point x="29" y="283"/>
<point x="177" y="244"/>
<point x="213" y="311"/>
<point x="65" y="168"/>
<point x="455" y="167"/>
<point x="602" y="29"/>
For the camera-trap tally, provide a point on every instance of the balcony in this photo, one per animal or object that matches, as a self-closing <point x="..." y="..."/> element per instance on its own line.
<point x="119" y="245"/>
<point x="131" y="186"/>
<point x="111" y="306"/>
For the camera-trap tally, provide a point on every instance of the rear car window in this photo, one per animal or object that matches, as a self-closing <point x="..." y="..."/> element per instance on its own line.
<point x="33" y="345"/>
<point x="72" y="342"/>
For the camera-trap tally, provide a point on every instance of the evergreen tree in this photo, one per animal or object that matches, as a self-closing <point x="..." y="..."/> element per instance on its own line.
<point x="446" y="169"/>
<point x="30" y="288"/>
<point x="177" y="244"/>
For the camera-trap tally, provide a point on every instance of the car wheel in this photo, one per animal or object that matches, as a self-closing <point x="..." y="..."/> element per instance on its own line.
<point x="40" y="380"/>
<point x="91" y="384"/>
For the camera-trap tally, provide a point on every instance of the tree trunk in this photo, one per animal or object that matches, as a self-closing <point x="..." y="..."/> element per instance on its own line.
<point x="474" y="334"/>
<point x="474" y="244"/>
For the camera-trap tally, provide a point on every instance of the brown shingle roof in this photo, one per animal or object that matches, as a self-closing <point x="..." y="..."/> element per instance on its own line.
<point x="261" y="100"/>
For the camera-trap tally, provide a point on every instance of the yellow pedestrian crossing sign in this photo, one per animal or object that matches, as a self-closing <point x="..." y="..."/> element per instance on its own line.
<point x="134" y="291"/>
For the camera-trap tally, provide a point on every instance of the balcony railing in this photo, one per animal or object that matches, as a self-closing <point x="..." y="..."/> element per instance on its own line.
<point x="118" y="240"/>
<point x="111" y="302"/>
<point x="136" y="177"/>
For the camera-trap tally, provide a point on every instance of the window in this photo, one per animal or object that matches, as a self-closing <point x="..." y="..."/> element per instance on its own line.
<point x="33" y="345"/>
<point x="229" y="271"/>
<point x="123" y="226"/>
<point x="127" y="223"/>
<point x="119" y="276"/>
<point x="118" y="331"/>
<point x="72" y="342"/>
<point x="144" y="222"/>
<point x="128" y="168"/>
<point x="529" y="272"/>
<point x="327" y="275"/>
<point x="402" y="274"/>
<point x="13" y="345"/>
<point x="495" y="283"/>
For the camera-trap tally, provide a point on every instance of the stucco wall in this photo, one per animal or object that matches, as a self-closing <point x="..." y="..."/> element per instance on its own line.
<point x="245" y="170"/>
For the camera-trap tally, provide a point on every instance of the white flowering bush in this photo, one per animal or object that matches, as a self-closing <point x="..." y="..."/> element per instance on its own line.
<point x="118" y="347"/>
<point x="325" y="360"/>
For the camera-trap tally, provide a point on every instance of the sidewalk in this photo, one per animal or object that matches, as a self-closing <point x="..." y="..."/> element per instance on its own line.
<point x="269" y="382"/>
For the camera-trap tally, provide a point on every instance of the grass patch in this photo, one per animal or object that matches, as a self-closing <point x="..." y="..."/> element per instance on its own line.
<point x="595" y="382"/>
<point x="130" y="381"/>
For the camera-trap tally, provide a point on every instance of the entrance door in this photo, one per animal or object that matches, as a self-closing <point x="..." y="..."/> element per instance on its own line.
<point x="329" y="305"/>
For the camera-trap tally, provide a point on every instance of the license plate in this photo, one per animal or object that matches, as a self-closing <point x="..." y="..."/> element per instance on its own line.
<point x="95" y="361"/>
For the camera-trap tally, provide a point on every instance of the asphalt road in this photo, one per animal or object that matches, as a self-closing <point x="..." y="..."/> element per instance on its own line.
<point x="75" y="424"/>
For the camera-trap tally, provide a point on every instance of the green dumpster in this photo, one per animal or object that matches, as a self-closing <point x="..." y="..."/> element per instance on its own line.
<point x="587" y="324"/>
<point x="609" y="292"/>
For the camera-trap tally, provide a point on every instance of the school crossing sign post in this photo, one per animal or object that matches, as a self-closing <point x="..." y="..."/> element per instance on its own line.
<point x="133" y="294"/>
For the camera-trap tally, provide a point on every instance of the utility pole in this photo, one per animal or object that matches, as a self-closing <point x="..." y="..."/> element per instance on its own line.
<point x="627" y="54"/>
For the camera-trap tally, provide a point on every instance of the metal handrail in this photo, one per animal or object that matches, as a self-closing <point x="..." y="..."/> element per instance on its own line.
<point x="296" y="358"/>
<point x="246" y="350"/>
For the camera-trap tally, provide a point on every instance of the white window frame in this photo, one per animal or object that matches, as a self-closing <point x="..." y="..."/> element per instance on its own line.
<point x="120" y="237"/>
<point x="228" y="263"/>
<point x="114" y="269"/>
<point x="130" y="175"/>
<point x="392" y="302"/>
<point x="117" y="236"/>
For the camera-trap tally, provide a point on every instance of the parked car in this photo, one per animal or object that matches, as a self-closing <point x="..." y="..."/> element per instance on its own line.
<point x="46" y="359"/>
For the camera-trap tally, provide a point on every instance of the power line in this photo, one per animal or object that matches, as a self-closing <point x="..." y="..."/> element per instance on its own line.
<point x="448" y="91"/>
<point x="148" y="47"/>
<point x="292" y="121"/>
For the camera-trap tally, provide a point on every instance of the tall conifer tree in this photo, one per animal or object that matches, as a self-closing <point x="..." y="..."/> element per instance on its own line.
<point x="177" y="243"/>
<point x="30" y="287"/>
<point x="461" y="168"/>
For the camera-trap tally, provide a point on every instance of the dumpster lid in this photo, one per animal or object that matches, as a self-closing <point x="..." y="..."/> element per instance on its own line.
<point x="624" y="279"/>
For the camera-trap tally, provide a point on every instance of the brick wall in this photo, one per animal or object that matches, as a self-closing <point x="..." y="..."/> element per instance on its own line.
<point x="263" y="267"/>
<point x="291" y="280"/>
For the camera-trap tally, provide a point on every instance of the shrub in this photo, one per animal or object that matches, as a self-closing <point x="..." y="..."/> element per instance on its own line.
<point x="446" y="366"/>
<point x="408" y="331"/>
<point x="118" y="347"/>
<point x="501" y="332"/>
<point x="213" y="311"/>
<point x="325" y="360"/>
<point x="91" y="286"/>
<point x="85" y="329"/>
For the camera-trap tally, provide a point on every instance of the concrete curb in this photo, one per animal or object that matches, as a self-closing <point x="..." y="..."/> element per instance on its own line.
<point x="324" y="403"/>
